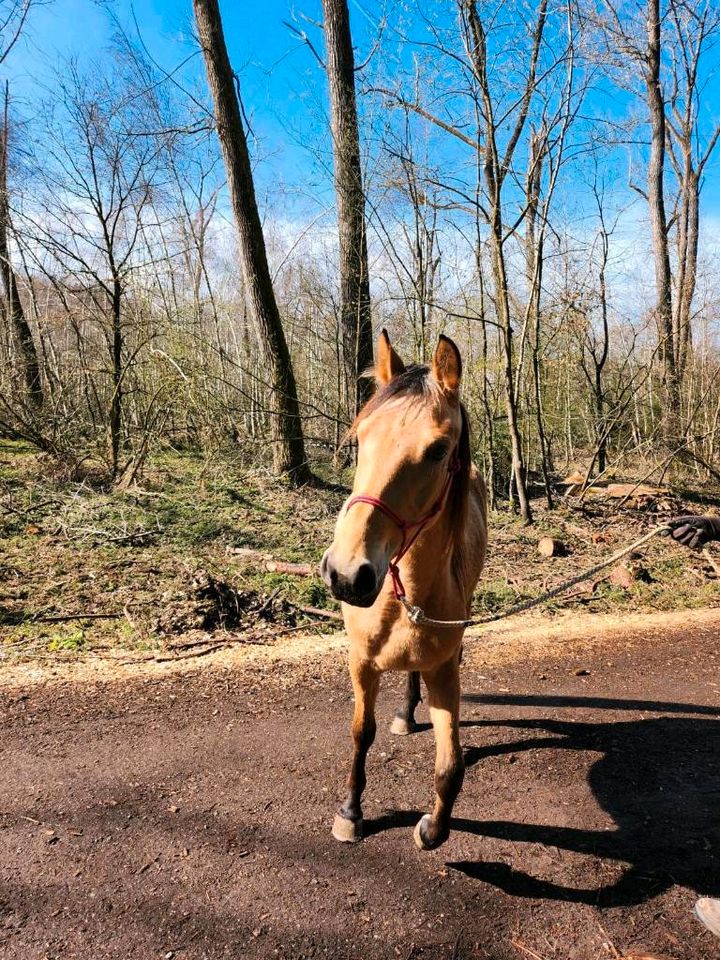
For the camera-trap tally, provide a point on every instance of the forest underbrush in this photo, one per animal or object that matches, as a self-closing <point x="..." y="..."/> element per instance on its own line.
<point x="203" y="552"/>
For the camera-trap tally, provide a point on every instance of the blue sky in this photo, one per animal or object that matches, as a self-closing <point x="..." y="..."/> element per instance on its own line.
<point x="283" y="86"/>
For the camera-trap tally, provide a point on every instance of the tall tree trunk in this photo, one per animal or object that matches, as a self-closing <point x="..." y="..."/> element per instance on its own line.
<point x="13" y="312"/>
<point x="117" y="394"/>
<point x="534" y="257"/>
<point x="495" y="167"/>
<point x="502" y="305"/>
<point x="288" y="445"/>
<point x="688" y="229"/>
<point x="599" y="362"/>
<point x="535" y="314"/>
<point x="658" y="221"/>
<point x="354" y="274"/>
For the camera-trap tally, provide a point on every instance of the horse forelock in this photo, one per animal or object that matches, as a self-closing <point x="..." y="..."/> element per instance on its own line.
<point x="414" y="382"/>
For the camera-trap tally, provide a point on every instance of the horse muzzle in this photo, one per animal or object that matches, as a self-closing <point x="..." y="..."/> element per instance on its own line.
<point x="358" y="585"/>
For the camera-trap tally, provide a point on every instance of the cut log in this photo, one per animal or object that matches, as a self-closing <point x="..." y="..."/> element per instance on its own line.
<point x="297" y="569"/>
<point x="275" y="566"/>
<point x="626" y="575"/>
<point x="622" y="576"/>
<point x="549" y="547"/>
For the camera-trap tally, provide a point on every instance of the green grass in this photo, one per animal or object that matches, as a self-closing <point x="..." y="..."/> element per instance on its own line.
<point x="72" y="642"/>
<point x="71" y="547"/>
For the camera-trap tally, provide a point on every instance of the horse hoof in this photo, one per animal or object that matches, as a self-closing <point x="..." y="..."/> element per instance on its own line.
<point x="402" y="727"/>
<point x="421" y="834"/>
<point x="346" y="831"/>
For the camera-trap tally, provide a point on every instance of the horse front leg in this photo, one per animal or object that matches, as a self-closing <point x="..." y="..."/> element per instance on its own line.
<point x="347" y="826"/>
<point x="404" y="719"/>
<point x="443" y="687"/>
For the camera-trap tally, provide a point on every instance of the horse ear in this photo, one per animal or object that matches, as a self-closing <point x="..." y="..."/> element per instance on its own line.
<point x="447" y="365"/>
<point x="387" y="363"/>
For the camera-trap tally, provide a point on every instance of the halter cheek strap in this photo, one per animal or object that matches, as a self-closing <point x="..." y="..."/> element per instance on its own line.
<point x="411" y="529"/>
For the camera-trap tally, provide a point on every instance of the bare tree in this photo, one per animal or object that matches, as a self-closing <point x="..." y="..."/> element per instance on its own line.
<point x="496" y="164"/>
<point x="666" y="51"/>
<point x="13" y="16"/>
<point x="595" y="338"/>
<point x="652" y="60"/>
<point x="11" y="308"/>
<point x="288" y="447"/>
<point x="694" y="28"/>
<point x="94" y="177"/>
<point x="354" y="274"/>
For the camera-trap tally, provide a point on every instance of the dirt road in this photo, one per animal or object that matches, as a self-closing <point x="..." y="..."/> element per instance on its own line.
<point x="187" y="814"/>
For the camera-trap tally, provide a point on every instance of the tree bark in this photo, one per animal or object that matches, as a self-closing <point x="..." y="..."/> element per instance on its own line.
<point x="117" y="394"/>
<point x="287" y="433"/>
<point x="658" y="220"/>
<point x="688" y="237"/>
<point x="355" y="313"/>
<point x="13" y="312"/>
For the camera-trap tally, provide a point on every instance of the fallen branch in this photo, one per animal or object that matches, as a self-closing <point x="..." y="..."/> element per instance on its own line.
<point x="296" y="628"/>
<point x="189" y="656"/>
<point x="275" y="566"/>
<point x="59" y="618"/>
<point x="267" y="604"/>
<point x="188" y="646"/>
<point x="317" y="612"/>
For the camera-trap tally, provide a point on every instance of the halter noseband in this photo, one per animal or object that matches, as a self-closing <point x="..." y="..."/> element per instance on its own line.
<point x="406" y="526"/>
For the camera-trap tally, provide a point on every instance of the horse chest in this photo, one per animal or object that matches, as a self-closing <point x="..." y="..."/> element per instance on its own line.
<point x="402" y="646"/>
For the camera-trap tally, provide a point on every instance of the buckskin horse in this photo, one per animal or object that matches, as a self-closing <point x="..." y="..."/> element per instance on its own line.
<point x="415" y="526"/>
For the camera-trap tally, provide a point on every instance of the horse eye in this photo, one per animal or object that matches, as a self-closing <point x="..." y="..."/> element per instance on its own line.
<point x="437" y="452"/>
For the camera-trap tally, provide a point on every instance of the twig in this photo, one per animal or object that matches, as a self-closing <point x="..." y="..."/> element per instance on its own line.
<point x="190" y="645"/>
<point x="716" y="567"/>
<point x="74" y="616"/>
<point x="34" y="507"/>
<point x="267" y="603"/>
<point x="611" y="946"/>
<point x="299" y="626"/>
<point x="527" y="950"/>
<point x="189" y="656"/>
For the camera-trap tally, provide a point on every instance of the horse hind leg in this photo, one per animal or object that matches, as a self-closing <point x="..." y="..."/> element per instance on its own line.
<point x="404" y="719"/>
<point x="347" y="827"/>
<point x="444" y="703"/>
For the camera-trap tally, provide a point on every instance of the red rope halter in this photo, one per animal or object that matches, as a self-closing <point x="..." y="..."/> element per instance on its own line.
<point x="406" y="526"/>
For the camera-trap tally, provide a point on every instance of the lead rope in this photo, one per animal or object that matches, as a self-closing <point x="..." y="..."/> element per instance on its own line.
<point x="417" y="614"/>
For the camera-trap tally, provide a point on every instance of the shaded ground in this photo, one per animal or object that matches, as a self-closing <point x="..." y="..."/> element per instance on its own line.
<point x="186" y="814"/>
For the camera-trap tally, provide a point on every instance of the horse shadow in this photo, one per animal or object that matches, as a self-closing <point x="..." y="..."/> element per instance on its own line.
<point x="657" y="778"/>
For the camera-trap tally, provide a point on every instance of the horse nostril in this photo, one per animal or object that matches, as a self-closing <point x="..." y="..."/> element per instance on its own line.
<point x="328" y="571"/>
<point x="365" y="580"/>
